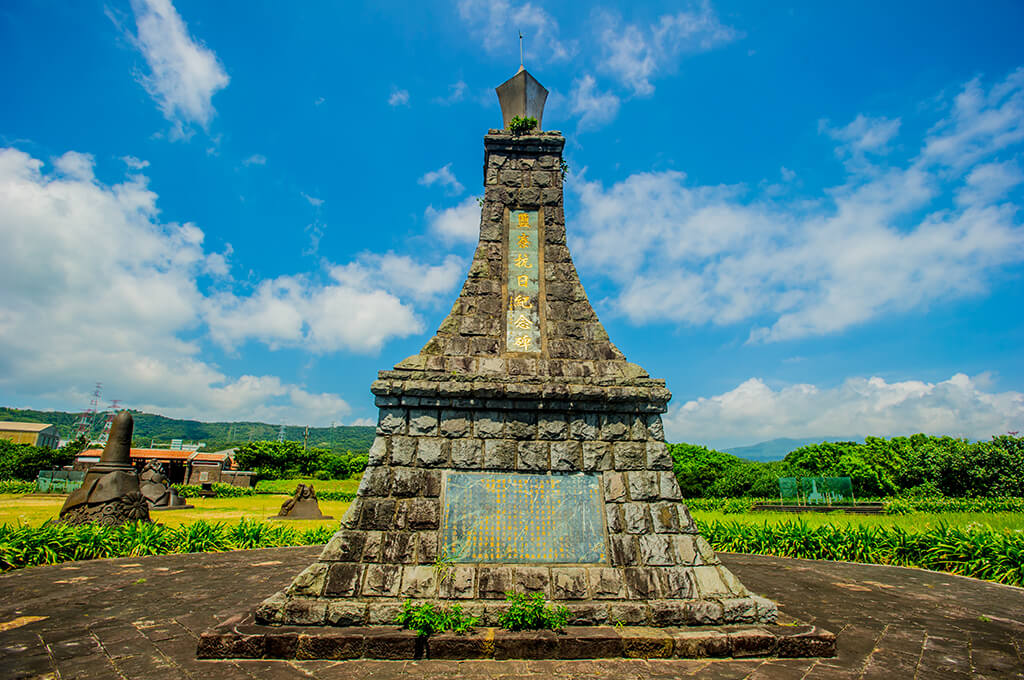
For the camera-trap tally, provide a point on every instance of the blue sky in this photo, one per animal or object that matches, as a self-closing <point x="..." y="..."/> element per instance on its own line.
<point x="805" y="216"/>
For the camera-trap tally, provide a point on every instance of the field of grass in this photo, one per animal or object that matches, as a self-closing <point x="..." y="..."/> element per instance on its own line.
<point x="288" y="485"/>
<point x="918" y="521"/>
<point x="33" y="510"/>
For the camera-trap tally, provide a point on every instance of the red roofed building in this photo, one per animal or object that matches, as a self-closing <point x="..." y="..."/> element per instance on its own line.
<point x="182" y="467"/>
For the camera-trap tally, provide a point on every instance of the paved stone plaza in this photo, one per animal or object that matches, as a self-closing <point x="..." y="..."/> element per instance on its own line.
<point x="141" y="618"/>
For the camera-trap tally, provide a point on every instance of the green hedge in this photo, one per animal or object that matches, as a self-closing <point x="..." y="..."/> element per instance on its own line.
<point x="905" y="506"/>
<point x="16" y="486"/>
<point x="981" y="553"/>
<point x="220" y="490"/>
<point x="27" y="546"/>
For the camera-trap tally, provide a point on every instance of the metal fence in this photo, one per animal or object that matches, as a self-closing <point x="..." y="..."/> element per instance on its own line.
<point x="59" y="481"/>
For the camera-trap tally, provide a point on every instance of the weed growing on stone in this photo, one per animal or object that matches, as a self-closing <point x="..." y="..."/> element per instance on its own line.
<point x="532" y="612"/>
<point x="520" y="126"/>
<point x="428" y="618"/>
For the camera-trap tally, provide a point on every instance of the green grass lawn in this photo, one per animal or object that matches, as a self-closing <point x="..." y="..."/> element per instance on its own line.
<point x="915" y="521"/>
<point x="30" y="510"/>
<point x="288" y="485"/>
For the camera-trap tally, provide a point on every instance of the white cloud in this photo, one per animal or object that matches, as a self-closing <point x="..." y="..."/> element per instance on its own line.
<point x="495" y="24"/>
<point x="885" y="241"/>
<point x="754" y="411"/>
<point x="398" y="97"/>
<point x="444" y="177"/>
<point x="635" y="55"/>
<point x="594" y="108"/>
<point x="456" y="93"/>
<point x="183" y="74"/>
<point x="458" y="223"/>
<point x="312" y="200"/>
<point x="134" y="163"/>
<point x="863" y="134"/>
<point x="130" y="310"/>
<point x="255" y="159"/>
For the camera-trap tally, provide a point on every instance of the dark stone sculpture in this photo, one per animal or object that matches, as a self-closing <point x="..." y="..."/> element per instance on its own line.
<point x="302" y="505"/>
<point x="157" y="489"/>
<point x="110" y="493"/>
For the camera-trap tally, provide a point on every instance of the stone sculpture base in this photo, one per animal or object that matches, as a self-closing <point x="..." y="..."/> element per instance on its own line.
<point x="241" y="639"/>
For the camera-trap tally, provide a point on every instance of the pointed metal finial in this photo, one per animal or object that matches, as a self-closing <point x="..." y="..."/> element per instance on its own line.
<point x="521" y="67"/>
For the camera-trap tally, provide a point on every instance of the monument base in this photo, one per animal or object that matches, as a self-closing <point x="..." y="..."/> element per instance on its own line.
<point x="239" y="638"/>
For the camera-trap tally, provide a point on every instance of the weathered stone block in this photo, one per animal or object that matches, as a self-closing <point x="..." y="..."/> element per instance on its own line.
<point x="376" y="481"/>
<point x="531" y="580"/>
<point x="499" y="454"/>
<point x="568" y="583"/>
<point x="666" y="519"/>
<point x="381" y="580"/>
<point x="658" y="457"/>
<point x="455" y="423"/>
<point x="378" y="454"/>
<point x="686" y="550"/>
<point x="391" y="421"/>
<point x="739" y="609"/>
<point x="701" y="644"/>
<point x="423" y="513"/>
<point x="520" y="425"/>
<point x="585" y="426"/>
<point x="613" y="517"/>
<point x="705" y="550"/>
<point x="403" y="450"/>
<point x="310" y="581"/>
<point x="458" y="583"/>
<point x="431" y="452"/>
<point x="731" y="582"/>
<point x="418" y="582"/>
<point x="702" y="612"/>
<point x="636" y="518"/>
<point x="627" y="614"/>
<point x="346" y="613"/>
<point x="494" y="582"/>
<point x="686" y="523"/>
<point x="397" y="547"/>
<point x="643" y="486"/>
<point x="552" y="426"/>
<point x="343" y="579"/>
<point x="676" y="583"/>
<point x="709" y="582"/>
<point x="614" y="487"/>
<point x="629" y="456"/>
<point x="640" y="583"/>
<point x="614" y="427"/>
<point x="533" y="455"/>
<point x="382" y="613"/>
<point x="656" y="550"/>
<point x="597" y="456"/>
<point x="566" y="455"/>
<point x="423" y="422"/>
<point x="301" y="611"/>
<point x="623" y="550"/>
<point x="467" y="453"/>
<point x="427" y="551"/>
<point x="378" y="514"/>
<point x="408" y="481"/>
<point x="655" y="428"/>
<point x="489" y="424"/>
<point x="607" y="584"/>
<point x="665" y="613"/>
<point x="344" y="546"/>
<point x="373" y="545"/>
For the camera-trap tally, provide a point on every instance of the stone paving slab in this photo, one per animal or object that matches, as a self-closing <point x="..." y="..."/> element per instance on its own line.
<point x="142" y="618"/>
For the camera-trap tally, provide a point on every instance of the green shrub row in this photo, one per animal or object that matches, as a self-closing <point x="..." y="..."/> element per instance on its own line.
<point x="16" y="486"/>
<point x="220" y="490"/>
<point x="27" y="546"/>
<point x="893" y="506"/>
<point x="977" y="552"/>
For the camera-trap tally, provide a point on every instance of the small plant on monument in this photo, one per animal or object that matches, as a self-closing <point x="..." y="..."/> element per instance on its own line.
<point x="429" y="618"/>
<point x="565" y="170"/>
<point x="520" y="126"/>
<point x="532" y="612"/>
<point x="442" y="566"/>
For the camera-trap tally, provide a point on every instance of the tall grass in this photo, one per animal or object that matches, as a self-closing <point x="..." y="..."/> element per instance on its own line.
<point x="979" y="552"/>
<point x="27" y="546"/>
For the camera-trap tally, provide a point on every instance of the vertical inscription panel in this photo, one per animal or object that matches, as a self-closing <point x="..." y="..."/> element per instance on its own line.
<point x="493" y="517"/>
<point x="522" y="323"/>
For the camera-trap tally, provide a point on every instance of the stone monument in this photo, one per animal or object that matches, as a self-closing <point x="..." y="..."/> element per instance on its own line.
<point x="519" y="448"/>
<point x="157" y="489"/>
<point x="302" y="505"/>
<point x="110" y="493"/>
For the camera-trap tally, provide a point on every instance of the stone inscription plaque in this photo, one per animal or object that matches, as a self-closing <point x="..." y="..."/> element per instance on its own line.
<point x="494" y="517"/>
<point x="522" y="323"/>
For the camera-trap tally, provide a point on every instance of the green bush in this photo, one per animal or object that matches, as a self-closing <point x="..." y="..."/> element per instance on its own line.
<point x="220" y="490"/>
<point x="977" y="552"/>
<point x="24" y="461"/>
<point x="428" y="618"/>
<point x="531" y="612"/>
<point x="520" y="126"/>
<point x="283" y="460"/>
<point x="907" y="505"/>
<point x="27" y="546"/>
<point x="16" y="486"/>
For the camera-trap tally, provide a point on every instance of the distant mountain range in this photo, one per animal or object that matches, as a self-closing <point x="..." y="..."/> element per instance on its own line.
<point x="151" y="428"/>
<point x="776" y="449"/>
